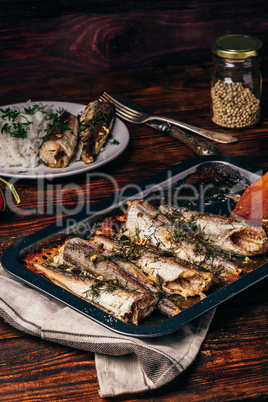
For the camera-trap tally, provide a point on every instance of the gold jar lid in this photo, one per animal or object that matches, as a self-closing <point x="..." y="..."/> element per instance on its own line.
<point x="236" y="46"/>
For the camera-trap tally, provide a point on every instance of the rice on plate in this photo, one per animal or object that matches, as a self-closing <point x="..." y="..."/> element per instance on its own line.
<point x="22" y="131"/>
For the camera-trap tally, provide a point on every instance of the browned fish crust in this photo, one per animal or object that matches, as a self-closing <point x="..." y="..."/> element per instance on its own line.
<point x="96" y="124"/>
<point x="128" y="306"/>
<point x="60" y="143"/>
<point x="83" y="254"/>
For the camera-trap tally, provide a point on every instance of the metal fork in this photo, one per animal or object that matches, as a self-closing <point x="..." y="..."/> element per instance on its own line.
<point x="136" y="117"/>
<point x="198" y="145"/>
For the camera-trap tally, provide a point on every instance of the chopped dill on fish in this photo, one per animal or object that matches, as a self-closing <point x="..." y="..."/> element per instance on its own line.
<point x="228" y="234"/>
<point x="146" y="223"/>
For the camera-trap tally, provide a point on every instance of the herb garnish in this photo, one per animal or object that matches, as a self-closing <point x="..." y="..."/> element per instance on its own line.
<point x="31" y="110"/>
<point x="58" y="123"/>
<point x="109" y="286"/>
<point x="114" y="142"/>
<point x="102" y="118"/>
<point x="10" y="114"/>
<point x="17" y="130"/>
<point x="13" y="127"/>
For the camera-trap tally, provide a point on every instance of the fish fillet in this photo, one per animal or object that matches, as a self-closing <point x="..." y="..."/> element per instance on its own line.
<point x="82" y="254"/>
<point x="126" y="305"/>
<point x="59" y="144"/>
<point x="227" y="234"/>
<point x="147" y="224"/>
<point x="96" y="124"/>
<point x="175" y="276"/>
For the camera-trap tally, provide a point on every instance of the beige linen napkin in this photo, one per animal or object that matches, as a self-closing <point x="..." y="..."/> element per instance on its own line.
<point x="124" y="364"/>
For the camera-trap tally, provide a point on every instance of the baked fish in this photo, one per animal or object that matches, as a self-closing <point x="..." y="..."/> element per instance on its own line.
<point x="60" y="142"/>
<point x="146" y="224"/>
<point x="91" y="259"/>
<point x="128" y="306"/>
<point x="174" y="276"/>
<point x="96" y="123"/>
<point x="227" y="234"/>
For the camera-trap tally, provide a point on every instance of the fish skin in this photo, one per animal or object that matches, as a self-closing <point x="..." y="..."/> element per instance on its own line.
<point x="126" y="305"/>
<point x="164" y="305"/>
<point x="176" y="276"/>
<point x="59" y="145"/>
<point x="96" y="123"/>
<point x="75" y="251"/>
<point x="147" y="224"/>
<point x="227" y="234"/>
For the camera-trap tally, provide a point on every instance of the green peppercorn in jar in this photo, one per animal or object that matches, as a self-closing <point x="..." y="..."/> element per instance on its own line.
<point x="236" y="82"/>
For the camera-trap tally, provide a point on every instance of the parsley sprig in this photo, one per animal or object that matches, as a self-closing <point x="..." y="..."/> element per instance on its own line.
<point x="17" y="130"/>
<point x="57" y="123"/>
<point x="12" y="126"/>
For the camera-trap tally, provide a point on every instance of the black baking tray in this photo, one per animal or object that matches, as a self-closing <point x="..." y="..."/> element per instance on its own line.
<point x="12" y="255"/>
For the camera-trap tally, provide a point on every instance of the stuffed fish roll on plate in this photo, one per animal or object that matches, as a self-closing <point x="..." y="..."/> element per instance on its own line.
<point x="60" y="142"/>
<point x="96" y="123"/>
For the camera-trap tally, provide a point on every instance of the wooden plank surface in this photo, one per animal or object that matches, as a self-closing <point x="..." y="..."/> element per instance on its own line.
<point x="65" y="38"/>
<point x="232" y="363"/>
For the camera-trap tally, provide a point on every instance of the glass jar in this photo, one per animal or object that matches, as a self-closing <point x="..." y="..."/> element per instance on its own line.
<point x="236" y="81"/>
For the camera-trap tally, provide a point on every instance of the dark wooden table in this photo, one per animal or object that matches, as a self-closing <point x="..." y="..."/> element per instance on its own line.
<point x="232" y="363"/>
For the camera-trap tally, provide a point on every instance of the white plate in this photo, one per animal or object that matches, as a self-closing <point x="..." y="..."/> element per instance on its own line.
<point x="111" y="151"/>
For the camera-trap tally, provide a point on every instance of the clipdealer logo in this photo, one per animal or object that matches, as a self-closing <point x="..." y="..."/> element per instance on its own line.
<point x="52" y="196"/>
